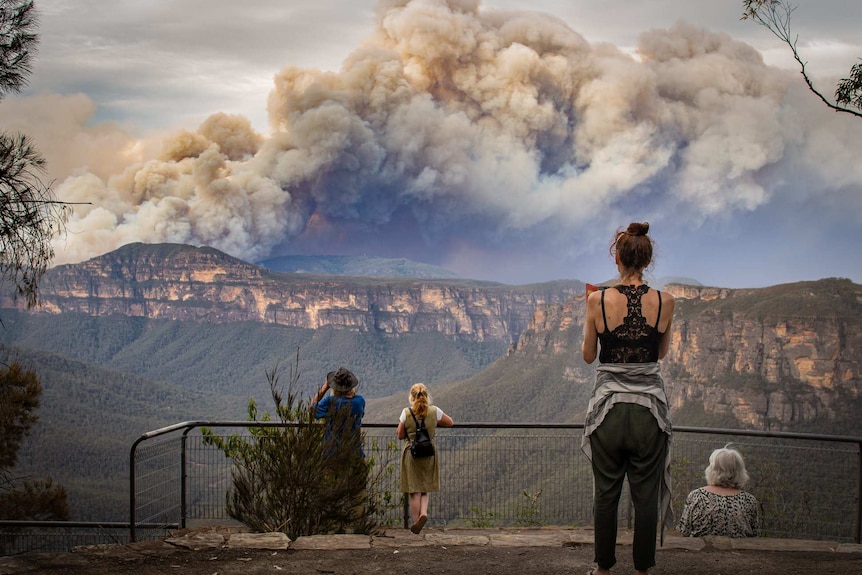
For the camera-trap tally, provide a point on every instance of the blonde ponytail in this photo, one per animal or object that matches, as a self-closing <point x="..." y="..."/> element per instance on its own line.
<point x="420" y="399"/>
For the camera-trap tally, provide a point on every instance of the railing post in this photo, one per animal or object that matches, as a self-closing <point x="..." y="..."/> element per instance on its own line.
<point x="132" y="496"/>
<point x="183" y="480"/>
<point x="132" y="499"/>
<point x="132" y="486"/>
<point x="859" y="497"/>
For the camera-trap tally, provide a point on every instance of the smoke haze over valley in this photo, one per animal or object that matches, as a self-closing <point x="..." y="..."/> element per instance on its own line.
<point x="497" y="141"/>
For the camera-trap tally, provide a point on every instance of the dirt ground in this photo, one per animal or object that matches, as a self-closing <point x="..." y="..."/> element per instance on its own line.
<point x="456" y="560"/>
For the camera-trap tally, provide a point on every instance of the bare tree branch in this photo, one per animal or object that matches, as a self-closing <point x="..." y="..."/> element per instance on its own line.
<point x="775" y="15"/>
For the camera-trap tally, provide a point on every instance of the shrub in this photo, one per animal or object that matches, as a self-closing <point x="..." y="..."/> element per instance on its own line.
<point x="291" y="477"/>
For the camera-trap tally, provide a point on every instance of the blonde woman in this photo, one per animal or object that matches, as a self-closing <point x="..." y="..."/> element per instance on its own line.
<point x="420" y="476"/>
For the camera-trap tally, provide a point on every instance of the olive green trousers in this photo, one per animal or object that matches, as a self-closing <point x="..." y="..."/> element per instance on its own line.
<point x="628" y="443"/>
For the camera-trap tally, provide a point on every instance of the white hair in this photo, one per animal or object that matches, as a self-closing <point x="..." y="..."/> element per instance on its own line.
<point x="726" y="468"/>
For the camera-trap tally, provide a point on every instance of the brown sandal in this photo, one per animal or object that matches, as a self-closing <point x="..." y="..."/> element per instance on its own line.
<point x="417" y="527"/>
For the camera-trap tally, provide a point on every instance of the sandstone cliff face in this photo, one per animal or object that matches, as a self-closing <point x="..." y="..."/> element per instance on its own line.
<point x="771" y="357"/>
<point x="202" y="284"/>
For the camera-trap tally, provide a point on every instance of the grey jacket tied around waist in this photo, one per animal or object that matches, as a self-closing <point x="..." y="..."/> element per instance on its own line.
<point x="642" y="384"/>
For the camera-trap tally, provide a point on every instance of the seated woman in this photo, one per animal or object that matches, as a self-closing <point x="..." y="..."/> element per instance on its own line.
<point x="721" y="507"/>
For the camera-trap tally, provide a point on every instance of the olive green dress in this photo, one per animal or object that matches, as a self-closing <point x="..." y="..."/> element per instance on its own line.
<point x="419" y="475"/>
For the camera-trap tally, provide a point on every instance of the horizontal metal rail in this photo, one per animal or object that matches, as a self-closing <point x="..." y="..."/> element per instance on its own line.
<point x="188" y="425"/>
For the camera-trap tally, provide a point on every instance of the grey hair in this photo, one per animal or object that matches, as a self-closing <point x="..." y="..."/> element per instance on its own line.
<point x="726" y="469"/>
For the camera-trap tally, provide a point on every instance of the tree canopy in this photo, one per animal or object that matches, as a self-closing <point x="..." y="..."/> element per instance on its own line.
<point x="29" y="213"/>
<point x="23" y="499"/>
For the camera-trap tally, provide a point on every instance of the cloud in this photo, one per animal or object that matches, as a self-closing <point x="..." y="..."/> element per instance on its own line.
<point x="470" y="130"/>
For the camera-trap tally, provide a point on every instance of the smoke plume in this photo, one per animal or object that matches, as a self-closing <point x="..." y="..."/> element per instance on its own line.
<point x="454" y="131"/>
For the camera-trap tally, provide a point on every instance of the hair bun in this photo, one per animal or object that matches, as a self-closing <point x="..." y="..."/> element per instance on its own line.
<point x="638" y="229"/>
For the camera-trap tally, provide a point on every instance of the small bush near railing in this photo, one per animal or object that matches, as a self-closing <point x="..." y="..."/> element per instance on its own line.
<point x="295" y="479"/>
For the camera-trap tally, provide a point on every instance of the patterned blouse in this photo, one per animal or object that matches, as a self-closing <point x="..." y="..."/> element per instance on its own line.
<point x="707" y="513"/>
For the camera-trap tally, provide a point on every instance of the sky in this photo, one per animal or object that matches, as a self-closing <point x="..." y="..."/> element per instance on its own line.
<point x="506" y="140"/>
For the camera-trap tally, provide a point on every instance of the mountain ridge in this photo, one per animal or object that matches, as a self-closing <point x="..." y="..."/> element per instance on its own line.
<point x="184" y="283"/>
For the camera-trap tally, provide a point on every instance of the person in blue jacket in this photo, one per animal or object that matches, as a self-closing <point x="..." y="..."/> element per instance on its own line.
<point x="343" y="409"/>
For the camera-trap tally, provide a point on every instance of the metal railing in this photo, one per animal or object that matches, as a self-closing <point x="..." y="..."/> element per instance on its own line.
<point x="497" y="474"/>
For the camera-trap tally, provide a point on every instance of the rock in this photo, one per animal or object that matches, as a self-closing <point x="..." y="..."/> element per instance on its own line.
<point x="453" y="539"/>
<point x="332" y="542"/>
<point x="273" y="540"/>
<point x="197" y="541"/>
<point x="531" y="539"/>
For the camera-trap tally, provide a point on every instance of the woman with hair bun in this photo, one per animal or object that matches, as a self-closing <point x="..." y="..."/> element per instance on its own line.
<point x="627" y="431"/>
<point x="721" y="507"/>
<point x="420" y="476"/>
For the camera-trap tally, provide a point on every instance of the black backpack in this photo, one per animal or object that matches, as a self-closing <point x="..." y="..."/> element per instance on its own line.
<point x="422" y="445"/>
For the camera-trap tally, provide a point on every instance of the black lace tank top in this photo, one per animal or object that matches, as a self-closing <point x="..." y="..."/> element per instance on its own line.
<point x="634" y="341"/>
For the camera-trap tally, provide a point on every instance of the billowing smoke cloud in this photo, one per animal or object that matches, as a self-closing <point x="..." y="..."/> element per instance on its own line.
<point x="454" y="131"/>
